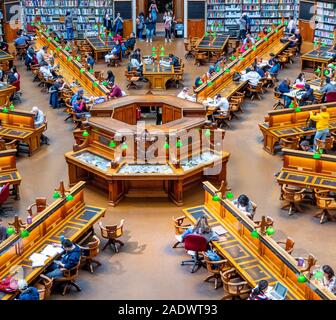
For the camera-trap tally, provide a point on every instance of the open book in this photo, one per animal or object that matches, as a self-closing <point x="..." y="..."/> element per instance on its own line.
<point x="51" y="251"/>
<point x="38" y="260"/>
<point x="219" y="230"/>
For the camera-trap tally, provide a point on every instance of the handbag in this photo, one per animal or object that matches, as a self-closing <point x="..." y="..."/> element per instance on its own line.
<point x="9" y="284"/>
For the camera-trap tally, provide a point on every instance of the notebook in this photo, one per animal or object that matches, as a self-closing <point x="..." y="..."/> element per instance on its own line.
<point x="51" y="251"/>
<point x="38" y="260"/>
<point x="219" y="230"/>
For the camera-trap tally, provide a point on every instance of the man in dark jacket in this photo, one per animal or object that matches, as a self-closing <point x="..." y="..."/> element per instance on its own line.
<point x="3" y="232"/>
<point x="284" y="88"/>
<point x="69" y="260"/>
<point x="27" y="293"/>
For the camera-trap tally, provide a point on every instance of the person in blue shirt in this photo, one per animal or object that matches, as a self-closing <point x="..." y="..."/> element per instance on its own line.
<point x="284" y="88"/>
<point x="27" y="293"/>
<point x="307" y="96"/>
<point x="21" y="40"/>
<point x="328" y="87"/>
<point x="90" y="60"/>
<point x="70" y="259"/>
<point x="118" y="24"/>
<point x="114" y="53"/>
<point x="261" y="72"/>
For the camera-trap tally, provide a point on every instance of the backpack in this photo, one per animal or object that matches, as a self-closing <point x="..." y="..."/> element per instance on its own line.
<point x="9" y="284"/>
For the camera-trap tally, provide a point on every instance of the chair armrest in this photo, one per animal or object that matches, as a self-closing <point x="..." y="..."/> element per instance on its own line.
<point x="217" y="262"/>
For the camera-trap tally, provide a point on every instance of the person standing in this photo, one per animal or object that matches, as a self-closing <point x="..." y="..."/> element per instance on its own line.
<point x="322" y="125"/>
<point x="69" y="26"/>
<point x="291" y="25"/>
<point x="149" y="28"/>
<point x="118" y="24"/>
<point x="140" y="23"/>
<point x="107" y="22"/>
<point x="242" y="26"/>
<point x="153" y="11"/>
<point x="168" y="20"/>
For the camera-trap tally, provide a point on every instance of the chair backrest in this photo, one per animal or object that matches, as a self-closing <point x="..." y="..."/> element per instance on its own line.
<point x="4" y="194"/>
<point x="327" y="144"/>
<point x="44" y="287"/>
<point x="323" y="200"/>
<point x="93" y="247"/>
<point x="41" y="204"/>
<point x="16" y="84"/>
<point x="229" y="285"/>
<point x="292" y="194"/>
<point x="112" y="231"/>
<point x="331" y="96"/>
<point x="290" y="143"/>
<point x="195" y="242"/>
<point x="289" y="245"/>
<point x="71" y="274"/>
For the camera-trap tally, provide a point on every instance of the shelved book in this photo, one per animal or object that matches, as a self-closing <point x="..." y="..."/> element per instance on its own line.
<point x="325" y="17"/>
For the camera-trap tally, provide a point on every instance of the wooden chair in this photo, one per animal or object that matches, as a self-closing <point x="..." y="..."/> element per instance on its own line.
<point x="288" y="244"/>
<point x="310" y="262"/>
<point x="326" y="203"/>
<point x="180" y="227"/>
<point x="69" y="277"/>
<point x="132" y="77"/>
<point x="112" y="233"/>
<point x="91" y="250"/>
<point x="222" y="119"/>
<point x="278" y="96"/>
<point x="234" y="286"/>
<point x="8" y="145"/>
<point x="294" y="197"/>
<point x="290" y="143"/>
<point x="21" y="51"/>
<point x="116" y="60"/>
<point x="215" y="267"/>
<point x="326" y="145"/>
<point x="255" y="92"/>
<point x="189" y="49"/>
<point x="44" y="286"/>
<point x="200" y="58"/>
<point x="40" y="204"/>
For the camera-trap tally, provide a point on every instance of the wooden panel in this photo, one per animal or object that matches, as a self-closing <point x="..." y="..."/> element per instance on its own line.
<point x="128" y="28"/>
<point x="196" y="28"/>
<point x="306" y="31"/>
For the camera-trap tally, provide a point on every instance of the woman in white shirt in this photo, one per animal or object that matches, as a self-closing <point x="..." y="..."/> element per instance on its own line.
<point x="184" y="94"/>
<point x="300" y="80"/>
<point x="291" y="25"/>
<point x="329" y="279"/>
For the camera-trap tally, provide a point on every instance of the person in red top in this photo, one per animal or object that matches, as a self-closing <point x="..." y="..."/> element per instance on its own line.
<point x="258" y="293"/>
<point x="115" y="92"/>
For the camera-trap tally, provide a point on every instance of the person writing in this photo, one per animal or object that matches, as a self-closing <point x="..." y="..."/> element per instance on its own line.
<point x="322" y="124"/>
<point x="221" y="103"/>
<point x="115" y="92"/>
<point x="244" y="204"/>
<point x="258" y="293"/>
<point x="184" y="94"/>
<point x="329" y="279"/>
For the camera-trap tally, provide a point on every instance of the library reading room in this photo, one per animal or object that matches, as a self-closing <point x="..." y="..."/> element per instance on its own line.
<point x="167" y="149"/>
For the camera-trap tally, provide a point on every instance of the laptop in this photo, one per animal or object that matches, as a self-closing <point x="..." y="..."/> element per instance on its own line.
<point x="278" y="292"/>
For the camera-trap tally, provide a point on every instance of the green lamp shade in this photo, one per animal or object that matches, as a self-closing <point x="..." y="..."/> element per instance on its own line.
<point x="5" y="110"/>
<point x="200" y="82"/>
<point x="218" y="69"/>
<point x="216" y="198"/>
<point x="254" y="48"/>
<point x="291" y="105"/>
<point x="69" y="58"/>
<point x="162" y="48"/>
<point x="207" y="133"/>
<point x="324" y="44"/>
<point x="153" y="49"/>
<point x="67" y="48"/>
<point x="276" y="30"/>
<point x="12" y="106"/>
<point x="69" y="197"/>
<point x="326" y="73"/>
<point x="56" y="195"/>
<point x="301" y="278"/>
<point x="318" y="275"/>
<point x="318" y="70"/>
<point x="179" y="144"/>
<point x="229" y="195"/>
<point x="124" y="146"/>
<point x="39" y="23"/>
<point x="78" y="58"/>
<point x="24" y="234"/>
<point x="58" y="49"/>
<point x="85" y="134"/>
<point x="112" y="144"/>
<point x="105" y="83"/>
<point x="286" y="22"/>
<point x="316" y="155"/>
<point x="257" y="38"/>
<point x="270" y="231"/>
<point x="233" y="58"/>
<point x="210" y="83"/>
<point x="315" y="43"/>
<point x="95" y="84"/>
<point x="162" y="54"/>
<point x="91" y="71"/>
<point x="110" y="34"/>
<point x="82" y="70"/>
<point x="241" y="58"/>
<point x="49" y="39"/>
<point x="154" y="55"/>
<point x="166" y="145"/>
<point x="297" y="109"/>
<point x="10" y="231"/>
<point x="32" y="24"/>
<point x="255" y="234"/>
<point x="56" y="39"/>
<point x="265" y="38"/>
<point x="227" y="70"/>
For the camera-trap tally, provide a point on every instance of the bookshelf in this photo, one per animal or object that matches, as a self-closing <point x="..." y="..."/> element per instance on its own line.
<point x="223" y="14"/>
<point x="87" y="14"/>
<point x="325" y="22"/>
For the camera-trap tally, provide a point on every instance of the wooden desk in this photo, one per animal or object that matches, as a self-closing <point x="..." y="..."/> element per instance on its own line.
<point x="213" y="46"/>
<point x="158" y="75"/>
<point x="315" y="59"/>
<point x="254" y="259"/>
<point x="100" y="46"/>
<point x="8" y="171"/>
<point x="6" y="91"/>
<point x="6" y="60"/>
<point x="71" y="70"/>
<point x="20" y="125"/>
<point x="223" y="80"/>
<point x="74" y="219"/>
<point x="301" y="169"/>
<point x="288" y="123"/>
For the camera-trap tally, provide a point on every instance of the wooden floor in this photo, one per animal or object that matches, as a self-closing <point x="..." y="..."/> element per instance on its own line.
<point x="147" y="267"/>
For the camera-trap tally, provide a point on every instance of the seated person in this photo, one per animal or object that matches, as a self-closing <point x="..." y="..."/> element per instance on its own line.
<point x="328" y="87"/>
<point x="30" y="54"/>
<point x="26" y="292"/>
<point x="300" y="80"/>
<point x="129" y="44"/>
<point x="79" y="94"/>
<point x="110" y="78"/>
<point x="184" y="94"/>
<point x="258" y="293"/>
<point x="244" y="204"/>
<point x="11" y="78"/>
<point x="69" y="260"/>
<point x="38" y="117"/>
<point x="90" y="61"/>
<point x="114" y="54"/>
<point x="174" y="61"/>
<point x="284" y="88"/>
<point x="54" y="90"/>
<point x="304" y="145"/>
<point x="117" y="37"/>
<point x="221" y="103"/>
<point x="249" y="40"/>
<point x="329" y="279"/>
<point x="115" y="92"/>
<point x="137" y="54"/>
<point x="296" y="40"/>
<point x="47" y="71"/>
<point x="134" y="63"/>
<point x="211" y="72"/>
<point x="3" y="45"/>
<point x="308" y="95"/>
<point x="42" y="54"/>
<point x="251" y="76"/>
<point x="21" y="40"/>
<point x="201" y="228"/>
<point x="198" y="82"/>
<point x="260" y="71"/>
<point x="3" y="229"/>
<point x="80" y="108"/>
